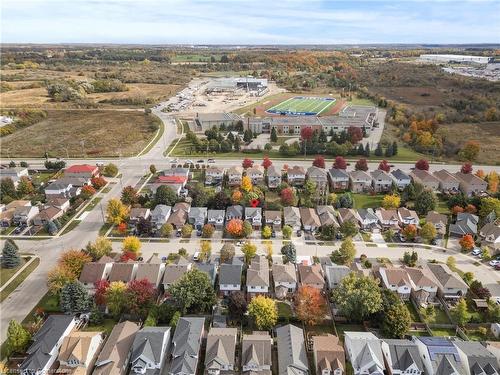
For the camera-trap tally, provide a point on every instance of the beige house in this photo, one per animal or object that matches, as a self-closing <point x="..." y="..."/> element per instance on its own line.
<point x="311" y="276"/>
<point x="234" y="175"/>
<point x="439" y="221"/>
<point x="396" y="280"/>
<point x="310" y="219"/>
<point x="447" y="182"/>
<point x="423" y="286"/>
<point x="221" y="348"/>
<point x="256" y="353"/>
<point x="285" y="279"/>
<point x="256" y="174"/>
<point x="78" y="352"/>
<point x="470" y="184"/>
<point x="273" y="177"/>
<point x="296" y="175"/>
<point x="360" y="181"/>
<point x="328" y="354"/>
<point x="425" y="178"/>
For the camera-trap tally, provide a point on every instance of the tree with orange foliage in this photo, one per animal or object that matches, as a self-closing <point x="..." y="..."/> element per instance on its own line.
<point x="87" y="191"/>
<point x="74" y="260"/>
<point x="98" y="182"/>
<point x="410" y="232"/>
<point x="310" y="305"/>
<point x="466" y="242"/>
<point x="266" y="163"/>
<point x="128" y="255"/>
<point x="480" y="173"/>
<point x="235" y="227"/>
<point x="236" y="196"/>
<point x="471" y="209"/>
<point x="457" y="210"/>
<point x="246" y="183"/>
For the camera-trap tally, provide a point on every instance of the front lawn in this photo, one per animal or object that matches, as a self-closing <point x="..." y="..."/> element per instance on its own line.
<point x="7" y="273"/>
<point x="367" y="200"/>
<point x="49" y="303"/>
<point x="320" y="330"/>
<point x="19" y="279"/>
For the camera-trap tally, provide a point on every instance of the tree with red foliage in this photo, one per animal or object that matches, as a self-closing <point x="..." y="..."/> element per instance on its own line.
<point x="247" y="163"/>
<point x="384" y="166"/>
<point x="319" y="161"/>
<point x="340" y="163"/>
<point x="457" y="210"/>
<point x="410" y="232"/>
<point x="466" y="242"/>
<point x="122" y="228"/>
<point x="288" y="196"/>
<point x="140" y="296"/>
<point x="361" y="165"/>
<point x="355" y="134"/>
<point x="98" y="182"/>
<point x="100" y="292"/>
<point x="306" y="133"/>
<point x="266" y="163"/>
<point x="128" y="255"/>
<point x="466" y="168"/>
<point x="310" y="305"/>
<point x="235" y="227"/>
<point x="87" y="191"/>
<point x="471" y="209"/>
<point x="422" y="164"/>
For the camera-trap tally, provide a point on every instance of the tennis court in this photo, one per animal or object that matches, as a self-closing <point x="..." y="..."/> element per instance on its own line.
<point x="302" y="105"/>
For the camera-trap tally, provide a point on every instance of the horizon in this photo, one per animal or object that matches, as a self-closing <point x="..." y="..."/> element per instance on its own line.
<point x="236" y="23"/>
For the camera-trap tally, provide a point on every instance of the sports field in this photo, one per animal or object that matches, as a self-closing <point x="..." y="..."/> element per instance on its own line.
<point x="302" y="105"/>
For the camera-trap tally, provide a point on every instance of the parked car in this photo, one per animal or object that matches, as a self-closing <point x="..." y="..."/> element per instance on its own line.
<point x="198" y="232"/>
<point x="299" y="233"/>
<point x="200" y="161"/>
<point x="476" y="251"/>
<point x="497" y="268"/>
<point x="273" y="234"/>
<point x="178" y="233"/>
<point x="196" y="256"/>
<point x="239" y="243"/>
<point x="494" y="262"/>
<point x="211" y="161"/>
<point x="188" y="161"/>
<point x="174" y="160"/>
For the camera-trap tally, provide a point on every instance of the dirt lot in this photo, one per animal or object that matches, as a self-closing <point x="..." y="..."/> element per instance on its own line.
<point x="413" y="96"/>
<point x="104" y="132"/>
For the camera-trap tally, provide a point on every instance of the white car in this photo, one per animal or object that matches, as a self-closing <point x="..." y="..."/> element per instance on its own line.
<point x="196" y="256"/>
<point x="476" y="251"/>
<point x="188" y="161"/>
<point x="494" y="262"/>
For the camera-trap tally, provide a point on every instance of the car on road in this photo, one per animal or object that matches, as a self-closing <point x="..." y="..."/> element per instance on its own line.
<point x="239" y="243"/>
<point x="196" y="256"/>
<point x="477" y="251"/>
<point x="299" y="233"/>
<point x="188" y="161"/>
<point x="494" y="262"/>
<point x="211" y="161"/>
<point x="17" y="230"/>
<point x="497" y="268"/>
<point x="174" y="160"/>
<point x="200" y="161"/>
<point x="178" y="233"/>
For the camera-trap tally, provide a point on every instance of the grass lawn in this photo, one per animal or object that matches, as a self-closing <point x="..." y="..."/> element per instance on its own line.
<point x="320" y="329"/>
<point x="413" y="312"/>
<point x="106" y="326"/>
<point x="7" y="273"/>
<point x="475" y="335"/>
<point x="284" y="310"/>
<point x="439" y="318"/>
<point x="158" y="136"/>
<point x="49" y="303"/>
<point x="367" y="200"/>
<point x="19" y="279"/>
<point x="94" y="203"/>
<point x="442" y="207"/>
<point x="71" y="226"/>
<point x="104" y="229"/>
<point x="360" y="101"/>
<point x="418" y="333"/>
<point x="341" y="328"/>
<point x="443" y="332"/>
<point x="309" y="105"/>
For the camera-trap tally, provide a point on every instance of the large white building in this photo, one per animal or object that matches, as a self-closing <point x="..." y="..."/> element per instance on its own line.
<point x="456" y="58"/>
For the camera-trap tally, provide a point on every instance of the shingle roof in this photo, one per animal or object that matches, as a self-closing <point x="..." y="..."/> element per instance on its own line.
<point x="400" y="175"/>
<point x="338" y="174"/>
<point x="309" y="217"/>
<point x="403" y="354"/>
<point x="310" y="274"/>
<point x="121" y="272"/>
<point x="186" y="345"/>
<point x="148" y="343"/>
<point x="230" y="274"/>
<point x="92" y="272"/>
<point x="221" y="347"/>
<point x="292" y="357"/>
<point x="256" y="349"/>
<point x="76" y="345"/>
<point x="466" y="224"/>
<point x="258" y="272"/>
<point x="328" y="353"/>
<point x="284" y="273"/>
<point x="148" y="271"/>
<point x="446" y="277"/>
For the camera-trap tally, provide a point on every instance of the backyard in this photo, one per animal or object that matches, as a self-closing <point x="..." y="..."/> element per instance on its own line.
<point x="367" y="200"/>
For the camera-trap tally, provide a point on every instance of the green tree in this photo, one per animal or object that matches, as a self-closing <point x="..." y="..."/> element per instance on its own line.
<point x="18" y="338"/>
<point x="396" y="321"/>
<point x="266" y="232"/>
<point x="152" y="169"/>
<point x="193" y="292"/>
<point x="328" y="232"/>
<point x="186" y="230"/>
<point x="264" y="312"/>
<point x="289" y="252"/>
<point x="10" y="255"/>
<point x="99" y="248"/>
<point x="110" y="170"/>
<point x="428" y="232"/>
<point x="287" y="232"/>
<point x="357" y="296"/>
<point x="74" y="298"/>
<point x="426" y="201"/>
<point x="460" y="314"/>
<point x="247" y="229"/>
<point x="345" y="254"/>
<point x="175" y="319"/>
<point x="165" y="195"/>
<point x="488" y="205"/>
<point x="274" y="135"/>
<point x="166" y="230"/>
<point x="249" y="250"/>
<point x="7" y="189"/>
<point x="348" y="228"/>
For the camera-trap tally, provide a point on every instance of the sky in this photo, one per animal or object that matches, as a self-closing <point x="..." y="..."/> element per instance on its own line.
<point x="250" y="22"/>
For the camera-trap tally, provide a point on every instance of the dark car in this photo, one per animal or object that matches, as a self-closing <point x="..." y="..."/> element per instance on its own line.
<point x="299" y="233"/>
<point x="200" y="161"/>
<point x="273" y="234"/>
<point x="497" y="267"/>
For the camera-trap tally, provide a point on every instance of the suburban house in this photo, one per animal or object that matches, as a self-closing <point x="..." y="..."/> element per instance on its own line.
<point x="197" y="217"/>
<point x="82" y="171"/>
<point x="311" y="275"/>
<point x="465" y="224"/>
<point x="296" y="175"/>
<point x="230" y="278"/>
<point x="402" y="357"/>
<point x="160" y="215"/>
<point x="210" y="269"/>
<point x="439" y="356"/>
<point x="292" y="356"/>
<point x="254" y="216"/>
<point x="139" y="213"/>
<point x="179" y="214"/>
<point x="470" y="184"/>
<point x="175" y="270"/>
<point x="14" y="173"/>
<point x="186" y="345"/>
<point x="60" y="202"/>
<point x="94" y="272"/>
<point x="61" y="189"/>
<point x="388" y="218"/>
<point x="327" y="216"/>
<point x="364" y="351"/>
<point x="339" y="179"/>
<point x="476" y="358"/>
<point x="292" y="217"/>
<point x="234" y="212"/>
<point x="114" y="356"/>
<point x="328" y="354"/>
<point x="214" y="175"/>
<point x="335" y="273"/>
<point x="152" y="270"/>
<point x="44" y="349"/>
<point x="423" y="286"/>
<point x="273" y="219"/>
<point x="273" y="177"/>
<point x="310" y="219"/>
<point x="257" y="279"/>
<point x="176" y="171"/>
<point x="256" y="353"/>
<point x="360" y="181"/>
<point x="367" y="218"/>
<point x="400" y="179"/>
<point x="447" y="182"/>
<point x="440" y="221"/>
<point x="349" y="214"/>
<point x="407" y="217"/>
<point x="424" y="178"/>
<point x="220" y="357"/>
<point x="285" y="279"/>
<point x="320" y="177"/>
<point x="396" y="280"/>
<point x="149" y="350"/>
<point x="256" y="174"/>
<point x="234" y="175"/>
<point x="216" y="218"/>
<point x="490" y="235"/>
<point x="122" y="272"/>
<point x="382" y="181"/>
<point x="450" y="284"/>
<point x="78" y="352"/>
<point x="24" y="214"/>
<point x="46" y="215"/>
<point x="76" y="182"/>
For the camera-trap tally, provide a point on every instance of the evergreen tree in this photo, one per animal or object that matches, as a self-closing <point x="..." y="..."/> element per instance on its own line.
<point x="367" y="150"/>
<point x="274" y="135"/>
<point x="394" y="148"/>
<point x="360" y="150"/>
<point x="389" y="151"/>
<point x="247" y="136"/>
<point x="378" y="150"/>
<point x="18" y="338"/>
<point x="74" y="298"/>
<point x="10" y="255"/>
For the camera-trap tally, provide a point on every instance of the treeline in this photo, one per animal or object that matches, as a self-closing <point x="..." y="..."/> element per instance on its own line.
<point x="21" y="119"/>
<point x="71" y="90"/>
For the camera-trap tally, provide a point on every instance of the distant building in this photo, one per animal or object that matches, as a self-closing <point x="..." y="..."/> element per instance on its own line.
<point x="206" y="121"/>
<point x="456" y="59"/>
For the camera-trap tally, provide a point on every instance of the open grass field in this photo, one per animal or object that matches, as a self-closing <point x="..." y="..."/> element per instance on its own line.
<point x="302" y="105"/>
<point x="102" y="133"/>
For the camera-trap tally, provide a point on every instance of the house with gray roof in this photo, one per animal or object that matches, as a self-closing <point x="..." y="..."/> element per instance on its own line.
<point x="137" y="214"/>
<point x="320" y="177"/>
<point x="44" y="350"/>
<point x="160" y="215"/>
<point x="197" y="217"/>
<point x="327" y="216"/>
<point x="403" y="357"/>
<point x="216" y="218"/>
<point x="256" y="174"/>
<point x="381" y="181"/>
<point x="368" y="219"/>
<point x="339" y="179"/>
<point x="440" y="356"/>
<point x="400" y="179"/>
<point x="273" y="177"/>
<point x="214" y="175"/>
<point x="465" y="224"/>
<point x="149" y="350"/>
<point x="151" y="271"/>
<point x="447" y="182"/>
<point x="360" y="181"/>
<point x="364" y="351"/>
<point x="273" y="219"/>
<point x="296" y="175"/>
<point x="209" y="268"/>
<point x="490" y="235"/>
<point x="234" y="175"/>
<point x="285" y="279"/>
<point x="174" y="271"/>
<point x="186" y="346"/>
<point x="257" y="279"/>
<point x="335" y="273"/>
<point x="450" y="284"/>
<point x="292" y="217"/>
<point x="470" y="184"/>
<point x="254" y="216"/>
<point x="221" y="350"/>
<point x="292" y="356"/>
<point x="407" y="217"/>
<point x="230" y="277"/>
<point x="349" y="214"/>
<point x="425" y="178"/>
<point x="234" y="212"/>
<point x="476" y="358"/>
<point x="25" y="214"/>
<point x="256" y="353"/>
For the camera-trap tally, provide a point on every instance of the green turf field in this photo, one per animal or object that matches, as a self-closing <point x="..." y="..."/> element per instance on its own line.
<point x="302" y="105"/>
